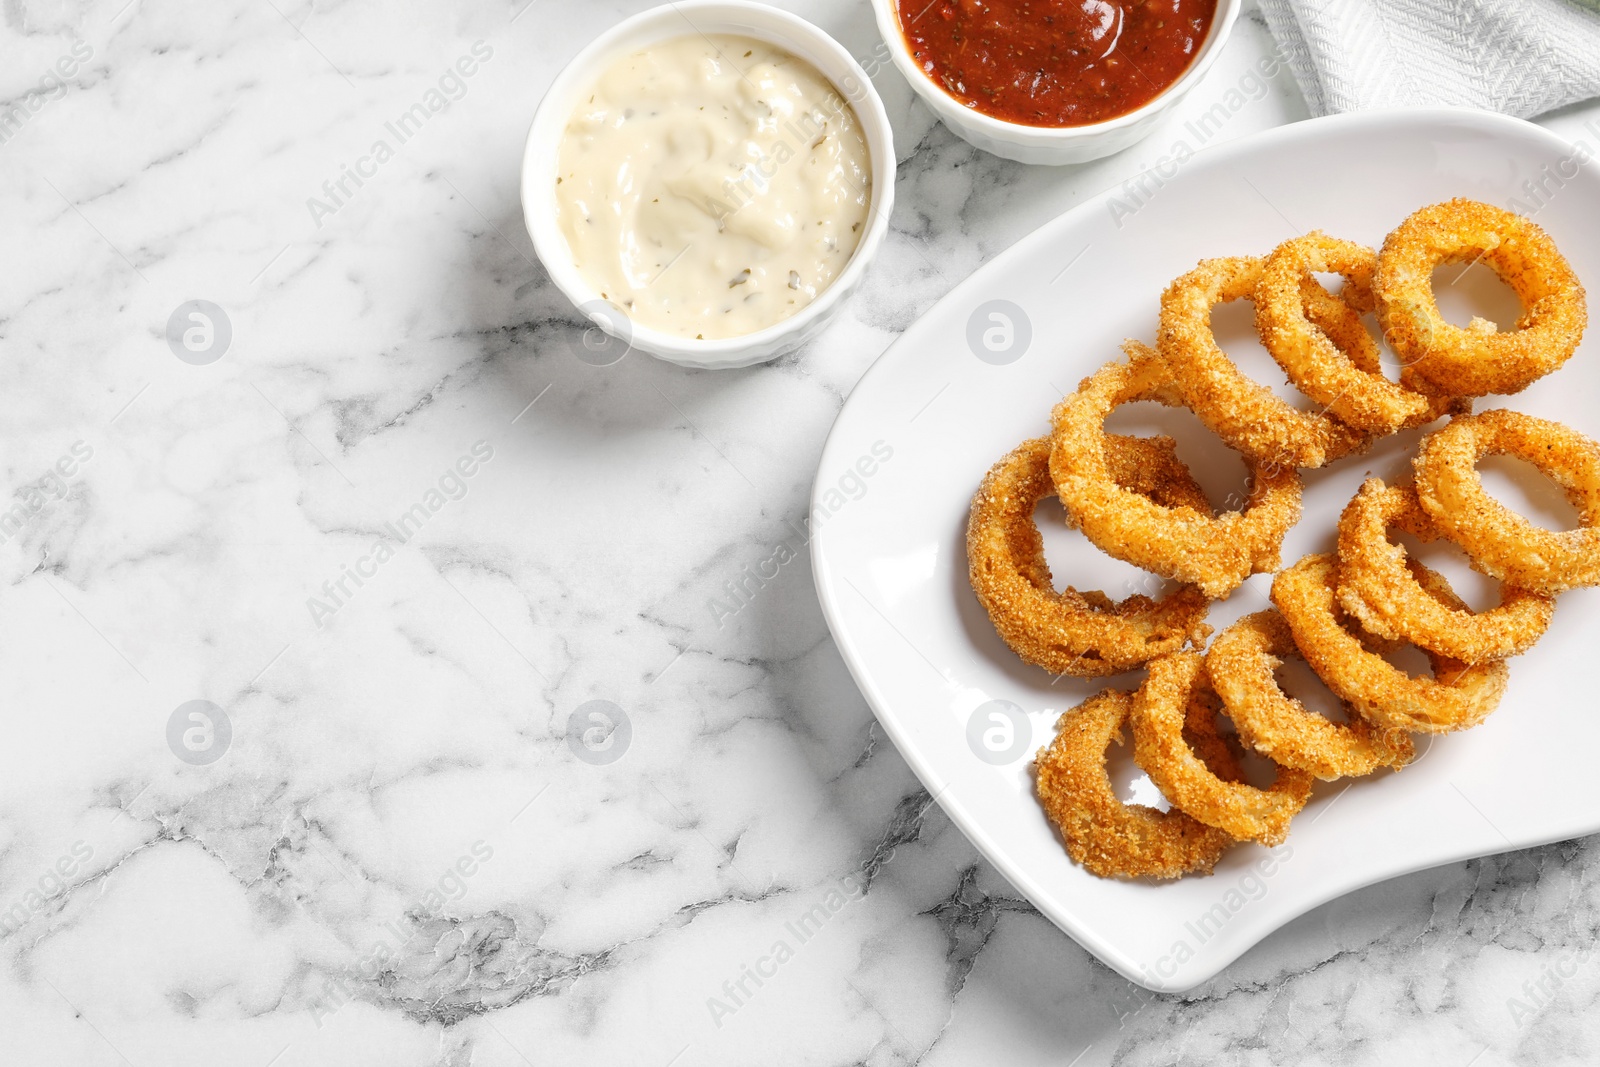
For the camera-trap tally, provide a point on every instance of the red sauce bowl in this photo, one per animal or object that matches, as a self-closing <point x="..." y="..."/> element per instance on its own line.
<point x="1030" y="142"/>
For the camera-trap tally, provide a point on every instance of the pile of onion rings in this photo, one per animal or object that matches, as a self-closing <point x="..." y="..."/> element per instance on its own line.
<point x="1342" y="613"/>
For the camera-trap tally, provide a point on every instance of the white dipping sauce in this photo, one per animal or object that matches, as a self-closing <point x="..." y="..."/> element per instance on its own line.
<point x="712" y="186"/>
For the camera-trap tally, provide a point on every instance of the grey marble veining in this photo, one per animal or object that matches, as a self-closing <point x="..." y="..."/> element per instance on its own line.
<point x="399" y="858"/>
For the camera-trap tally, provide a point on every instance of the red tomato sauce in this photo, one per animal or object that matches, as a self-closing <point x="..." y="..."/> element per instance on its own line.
<point x="1055" y="62"/>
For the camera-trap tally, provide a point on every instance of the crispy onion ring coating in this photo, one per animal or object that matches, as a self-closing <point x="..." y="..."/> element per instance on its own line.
<point x="1456" y="697"/>
<point x="1380" y="590"/>
<point x="1109" y="838"/>
<point x="1477" y="360"/>
<point x="1241" y="664"/>
<point x="1338" y="367"/>
<point x="1245" y="414"/>
<point x="1160" y="709"/>
<point x="1084" y="634"/>
<point x="1185" y="542"/>
<point x="1500" y="542"/>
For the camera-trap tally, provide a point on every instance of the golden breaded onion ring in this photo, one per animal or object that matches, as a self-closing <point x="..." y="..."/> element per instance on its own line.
<point x="1240" y="664"/>
<point x="1341" y="368"/>
<point x="1500" y="542"/>
<point x="1248" y="416"/>
<point x="1477" y="360"/>
<point x="1160" y="709"/>
<point x="1188" y="543"/>
<point x="1109" y="838"/>
<point x="1382" y="593"/>
<point x="1458" y="695"/>
<point x="1083" y="634"/>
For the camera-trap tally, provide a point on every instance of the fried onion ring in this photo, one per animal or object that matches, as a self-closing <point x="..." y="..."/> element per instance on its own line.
<point x="1248" y="416"/>
<point x="1083" y="634"/>
<point x="1109" y="838"/>
<point x="1185" y="542"/>
<point x="1160" y="709"/>
<point x="1458" y="695"/>
<point x="1383" y="594"/>
<point x="1339" y="368"/>
<point x="1500" y="542"/>
<point x="1477" y="360"/>
<point x="1241" y="664"/>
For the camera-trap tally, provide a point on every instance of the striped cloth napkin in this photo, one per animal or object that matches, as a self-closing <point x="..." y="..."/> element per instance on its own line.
<point x="1521" y="57"/>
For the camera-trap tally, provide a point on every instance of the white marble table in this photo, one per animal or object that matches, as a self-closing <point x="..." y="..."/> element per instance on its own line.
<point x="394" y="856"/>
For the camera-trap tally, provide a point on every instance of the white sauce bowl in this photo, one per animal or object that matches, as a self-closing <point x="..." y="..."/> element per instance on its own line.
<point x="541" y="160"/>
<point x="1050" y="144"/>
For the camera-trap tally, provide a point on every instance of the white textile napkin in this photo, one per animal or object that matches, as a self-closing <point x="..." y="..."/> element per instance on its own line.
<point x="1521" y="57"/>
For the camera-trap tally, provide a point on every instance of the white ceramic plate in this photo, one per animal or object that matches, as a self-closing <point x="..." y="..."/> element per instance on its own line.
<point x="927" y="420"/>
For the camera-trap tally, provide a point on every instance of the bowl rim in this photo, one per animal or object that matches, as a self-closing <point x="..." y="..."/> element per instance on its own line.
<point x="542" y="151"/>
<point x="948" y="108"/>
